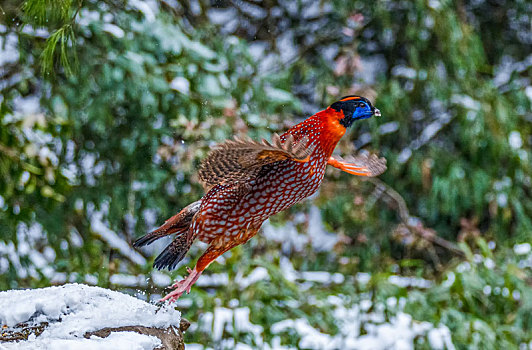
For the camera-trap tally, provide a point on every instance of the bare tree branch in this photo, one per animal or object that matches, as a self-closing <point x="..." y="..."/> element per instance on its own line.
<point x="412" y="224"/>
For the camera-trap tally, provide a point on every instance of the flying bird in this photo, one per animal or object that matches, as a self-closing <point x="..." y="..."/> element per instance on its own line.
<point x="246" y="182"/>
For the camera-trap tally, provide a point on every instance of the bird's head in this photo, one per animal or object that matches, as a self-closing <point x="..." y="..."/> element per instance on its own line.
<point x="354" y="108"/>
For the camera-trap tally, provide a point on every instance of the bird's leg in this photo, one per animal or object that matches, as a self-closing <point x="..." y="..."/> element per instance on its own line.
<point x="213" y="252"/>
<point x="217" y="248"/>
<point x="349" y="167"/>
<point x="184" y="285"/>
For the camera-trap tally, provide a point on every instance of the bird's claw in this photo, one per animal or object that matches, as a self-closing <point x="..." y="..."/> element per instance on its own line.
<point x="179" y="283"/>
<point x="183" y="286"/>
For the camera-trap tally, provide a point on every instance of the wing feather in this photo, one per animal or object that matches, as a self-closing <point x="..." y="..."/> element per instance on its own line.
<point x="374" y="164"/>
<point x="242" y="158"/>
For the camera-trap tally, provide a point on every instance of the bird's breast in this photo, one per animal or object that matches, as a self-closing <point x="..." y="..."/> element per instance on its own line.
<point x="284" y="185"/>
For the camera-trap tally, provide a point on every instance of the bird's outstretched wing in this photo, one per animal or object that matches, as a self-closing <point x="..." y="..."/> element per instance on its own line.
<point x="242" y="159"/>
<point x="362" y="164"/>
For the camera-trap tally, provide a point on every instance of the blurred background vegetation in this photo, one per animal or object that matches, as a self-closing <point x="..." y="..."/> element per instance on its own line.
<point x="107" y="107"/>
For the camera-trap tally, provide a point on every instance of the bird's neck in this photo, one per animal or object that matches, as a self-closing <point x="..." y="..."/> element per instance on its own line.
<point x="323" y="129"/>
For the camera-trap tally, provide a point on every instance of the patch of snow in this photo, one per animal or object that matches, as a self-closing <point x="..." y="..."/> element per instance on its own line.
<point x="61" y="277"/>
<point x="42" y="33"/>
<point x="114" y="240"/>
<point x="504" y="72"/>
<point x="310" y="337"/>
<point x="363" y="277"/>
<point x="231" y="320"/>
<point x="522" y="249"/>
<point x="258" y="274"/>
<point x="150" y="217"/>
<point x="28" y="239"/>
<point x="322" y="277"/>
<point x="404" y="282"/>
<point x="8" y="49"/>
<point x="180" y="84"/>
<point x="502" y="200"/>
<point x="477" y="258"/>
<point x="75" y="238"/>
<point x="128" y="280"/>
<point x="148" y="8"/>
<point x="363" y="140"/>
<point x="372" y="66"/>
<point x="435" y="4"/>
<point x="254" y="11"/>
<point x="391" y="330"/>
<point x="400" y="332"/>
<point x="287" y="49"/>
<point x="160" y="279"/>
<point x="404" y="72"/>
<point x="486" y="290"/>
<point x="503" y="184"/>
<point x="46" y="155"/>
<point x="29" y="106"/>
<point x="514" y="139"/>
<point x="466" y="101"/>
<point x="405" y="155"/>
<point x="115" y="341"/>
<point x="86" y="17"/>
<point x="440" y="338"/>
<point x="114" y="30"/>
<point x="213" y="280"/>
<point x="288" y="236"/>
<point x="278" y="94"/>
<point x="311" y="9"/>
<point x="388" y="128"/>
<point x="462" y="267"/>
<point x="74" y="309"/>
<point x="427" y="134"/>
<point x="321" y="239"/>
<point x="194" y="346"/>
<point x="257" y="49"/>
<point x="489" y="263"/>
<point x="432" y="129"/>
<point x="287" y="267"/>
<point x="528" y="92"/>
<point x="220" y="16"/>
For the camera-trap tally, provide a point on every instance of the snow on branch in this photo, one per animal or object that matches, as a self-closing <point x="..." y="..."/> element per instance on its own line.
<point x="114" y="240"/>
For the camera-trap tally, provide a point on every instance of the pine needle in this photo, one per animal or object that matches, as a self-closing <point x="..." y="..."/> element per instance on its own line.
<point x="41" y="12"/>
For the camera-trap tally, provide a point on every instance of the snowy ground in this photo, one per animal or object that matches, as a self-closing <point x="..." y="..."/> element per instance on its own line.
<point x="74" y="309"/>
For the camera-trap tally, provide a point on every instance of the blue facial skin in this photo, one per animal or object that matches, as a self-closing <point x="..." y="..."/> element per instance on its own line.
<point x="362" y="112"/>
<point x="354" y="109"/>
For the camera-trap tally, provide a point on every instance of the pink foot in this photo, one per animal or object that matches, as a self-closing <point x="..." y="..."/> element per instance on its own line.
<point x="183" y="286"/>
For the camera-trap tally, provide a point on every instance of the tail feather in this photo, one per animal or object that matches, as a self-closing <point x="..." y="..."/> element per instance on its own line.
<point x="173" y="253"/>
<point x="178" y="223"/>
<point x="155" y="235"/>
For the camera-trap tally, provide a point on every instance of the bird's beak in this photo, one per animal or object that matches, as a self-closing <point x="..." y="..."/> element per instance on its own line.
<point x="377" y="113"/>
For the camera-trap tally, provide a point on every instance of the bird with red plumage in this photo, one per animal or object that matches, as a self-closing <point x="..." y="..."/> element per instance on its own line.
<point x="246" y="182"/>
